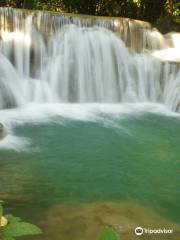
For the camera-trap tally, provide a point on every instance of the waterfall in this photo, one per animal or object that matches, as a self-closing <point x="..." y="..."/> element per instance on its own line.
<point x="47" y="57"/>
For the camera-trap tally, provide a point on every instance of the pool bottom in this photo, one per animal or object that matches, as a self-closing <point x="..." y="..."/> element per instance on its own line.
<point x="85" y="221"/>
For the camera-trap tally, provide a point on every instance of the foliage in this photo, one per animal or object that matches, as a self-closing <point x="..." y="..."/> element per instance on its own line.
<point x="176" y="9"/>
<point x="108" y="234"/>
<point x="167" y="24"/>
<point x="12" y="227"/>
<point x="150" y="10"/>
<point x="53" y="5"/>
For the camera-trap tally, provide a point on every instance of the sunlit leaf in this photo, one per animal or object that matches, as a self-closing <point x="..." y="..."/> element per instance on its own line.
<point x="20" y="229"/>
<point x="108" y="234"/>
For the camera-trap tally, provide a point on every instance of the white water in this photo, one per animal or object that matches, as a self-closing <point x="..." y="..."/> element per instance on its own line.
<point x="55" y="60"/>
<point x="108" y="115"/>
<point x="79" y="64"/>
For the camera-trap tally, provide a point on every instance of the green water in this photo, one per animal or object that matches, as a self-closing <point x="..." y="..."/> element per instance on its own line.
<point x="132" y="159"/>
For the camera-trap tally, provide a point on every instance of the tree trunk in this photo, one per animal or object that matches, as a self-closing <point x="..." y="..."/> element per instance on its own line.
<point x="170" y="6"/>
<point x="138" y="9"/>
<point x="24" y="4"/>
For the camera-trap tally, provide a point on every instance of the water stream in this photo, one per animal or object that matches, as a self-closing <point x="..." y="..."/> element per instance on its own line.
<point x="92" y="121"/>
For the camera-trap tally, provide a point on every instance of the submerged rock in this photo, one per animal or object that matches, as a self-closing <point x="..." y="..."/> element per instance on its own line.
<point x="2" y="131"/>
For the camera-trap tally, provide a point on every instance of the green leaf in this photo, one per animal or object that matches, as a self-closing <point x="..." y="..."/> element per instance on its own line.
<point x="108" y="234"/>
<point x="18" y="229"/>
<point x="12" y="219"/>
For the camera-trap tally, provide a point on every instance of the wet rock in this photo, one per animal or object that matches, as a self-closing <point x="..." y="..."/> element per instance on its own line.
<point x="2" y="131"/>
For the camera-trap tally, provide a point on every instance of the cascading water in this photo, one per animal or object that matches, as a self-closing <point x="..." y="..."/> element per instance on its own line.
<point x="83" y="106"/>
<point x="52" y="58"/>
